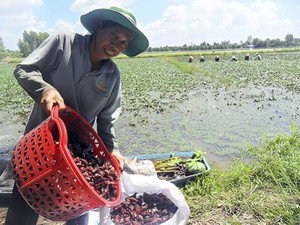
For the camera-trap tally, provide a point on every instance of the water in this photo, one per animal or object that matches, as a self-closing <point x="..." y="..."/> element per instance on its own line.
<point x="10" y="133"/>
<point x="220" y="122"/>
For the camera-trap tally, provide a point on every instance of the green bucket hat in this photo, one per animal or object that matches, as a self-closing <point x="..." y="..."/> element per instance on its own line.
<point x="138" y="44"/>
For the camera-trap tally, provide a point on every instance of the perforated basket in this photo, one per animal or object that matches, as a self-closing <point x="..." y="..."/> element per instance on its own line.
<point x="46" y="174"/>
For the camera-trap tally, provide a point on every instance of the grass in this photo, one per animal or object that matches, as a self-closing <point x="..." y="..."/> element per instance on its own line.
<point x="12" y="60"/>
<point x="185" y="68"/>
<point x="266" y="189"/>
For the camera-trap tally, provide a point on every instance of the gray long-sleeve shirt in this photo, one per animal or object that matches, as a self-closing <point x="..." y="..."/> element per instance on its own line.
<point x="62" y="62"/>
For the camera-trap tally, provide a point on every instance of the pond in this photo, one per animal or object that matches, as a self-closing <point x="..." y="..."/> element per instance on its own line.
<point x="225" y="107"/>
<point x="220" y="122"/>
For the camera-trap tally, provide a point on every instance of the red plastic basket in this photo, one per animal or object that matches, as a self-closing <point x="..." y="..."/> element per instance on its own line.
<point x="46" y="174"/>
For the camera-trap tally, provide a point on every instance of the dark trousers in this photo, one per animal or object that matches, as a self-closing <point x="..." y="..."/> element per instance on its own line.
<point x="20" y="213"/>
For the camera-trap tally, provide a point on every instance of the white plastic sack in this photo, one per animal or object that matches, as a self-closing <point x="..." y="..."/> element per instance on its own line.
<point x="136" y="183"/>
<point x="143" y="167"/>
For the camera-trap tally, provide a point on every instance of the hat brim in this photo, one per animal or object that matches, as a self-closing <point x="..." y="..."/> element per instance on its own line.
<point x="137" y="45"/>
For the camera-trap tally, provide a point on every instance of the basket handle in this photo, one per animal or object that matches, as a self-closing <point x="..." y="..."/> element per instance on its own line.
<point x="60" y="126"/>
<point x="55" y="111"/>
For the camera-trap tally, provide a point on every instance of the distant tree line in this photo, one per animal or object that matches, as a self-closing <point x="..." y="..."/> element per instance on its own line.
<point x="31" y="40"/>
<point x="289" y="41"/>
<point x="7" y="53"/>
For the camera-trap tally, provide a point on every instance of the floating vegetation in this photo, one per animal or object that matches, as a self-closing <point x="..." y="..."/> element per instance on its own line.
<point x="220" y="107"/>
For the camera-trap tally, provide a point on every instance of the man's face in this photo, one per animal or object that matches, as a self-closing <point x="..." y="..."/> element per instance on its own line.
<point x="111" y="41"/>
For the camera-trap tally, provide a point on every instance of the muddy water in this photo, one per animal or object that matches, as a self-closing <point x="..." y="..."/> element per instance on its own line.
<point x="221" y="122"/>
<point x="10" y="133"/>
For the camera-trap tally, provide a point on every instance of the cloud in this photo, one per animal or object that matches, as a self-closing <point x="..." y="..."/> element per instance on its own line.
<point x="35" y="2"/>
<point x="63" y="26"/>
<point x="216" y="21"/>
<point x="181" y="22"/>
<point x="84" y="6"/>
<point x="15" y="18"/>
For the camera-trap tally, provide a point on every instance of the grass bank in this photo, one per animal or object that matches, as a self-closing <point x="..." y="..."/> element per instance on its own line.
<point x="263" y="191"/>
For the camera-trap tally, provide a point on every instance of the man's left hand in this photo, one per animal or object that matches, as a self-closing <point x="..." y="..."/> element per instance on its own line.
<point x="120" y="158"/>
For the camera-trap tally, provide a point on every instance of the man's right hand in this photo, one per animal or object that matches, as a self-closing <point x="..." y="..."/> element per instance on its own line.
<point x="51" y="98"/>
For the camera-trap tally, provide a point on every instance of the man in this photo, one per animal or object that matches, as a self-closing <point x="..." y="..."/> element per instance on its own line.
<point x="202" y="58"/>
<point x="217" y="58"/>
<point x="77" y="70"/>
<point x="257" y="57"/>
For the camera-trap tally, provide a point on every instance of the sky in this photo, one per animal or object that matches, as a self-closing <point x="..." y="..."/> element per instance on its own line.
<point x="164" y="22"/>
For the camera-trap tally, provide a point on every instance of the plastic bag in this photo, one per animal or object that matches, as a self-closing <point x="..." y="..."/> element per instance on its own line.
<point x="143" y="167"/>
<point x="136" y="183"/>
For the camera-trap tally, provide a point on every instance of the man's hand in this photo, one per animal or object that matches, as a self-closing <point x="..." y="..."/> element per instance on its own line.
<point x="120" y="158"/>
<point x="50" y="99"/>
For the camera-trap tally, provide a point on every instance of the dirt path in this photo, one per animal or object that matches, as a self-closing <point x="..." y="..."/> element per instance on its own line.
<point x="41" y="221"/>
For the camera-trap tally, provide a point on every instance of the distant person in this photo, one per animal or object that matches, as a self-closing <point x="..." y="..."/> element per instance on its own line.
<point x="202" y="59"/>
<point x="191" y="59"/>
<point x="257" y="57"/>
<point x="217" y="58"/>
<point x="247" y="57"/>
<point x="234" y="58"/>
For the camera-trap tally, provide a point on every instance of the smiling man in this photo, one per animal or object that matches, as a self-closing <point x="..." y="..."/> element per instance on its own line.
<point x="77" y="70"/>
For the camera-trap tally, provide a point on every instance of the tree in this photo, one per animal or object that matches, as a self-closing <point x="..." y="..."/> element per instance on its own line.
<point x="31" y="40"/>
<point x="2" y="47"/>
<point x="41" y="37"/>
<point x="250" y="40"/>
<point x="275" y="43"/>
<point x="258" y="43"/>
<point x="24" y="48"/>
<point x="225" y="44"/>
<point x="289" y="38"/>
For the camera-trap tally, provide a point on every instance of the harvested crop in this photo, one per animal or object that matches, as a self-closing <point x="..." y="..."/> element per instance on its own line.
<point x="100" y="174"/>
<point x="194" y="167"/>
<point x="143" y="209"/>
<point x="180" y="167"/>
